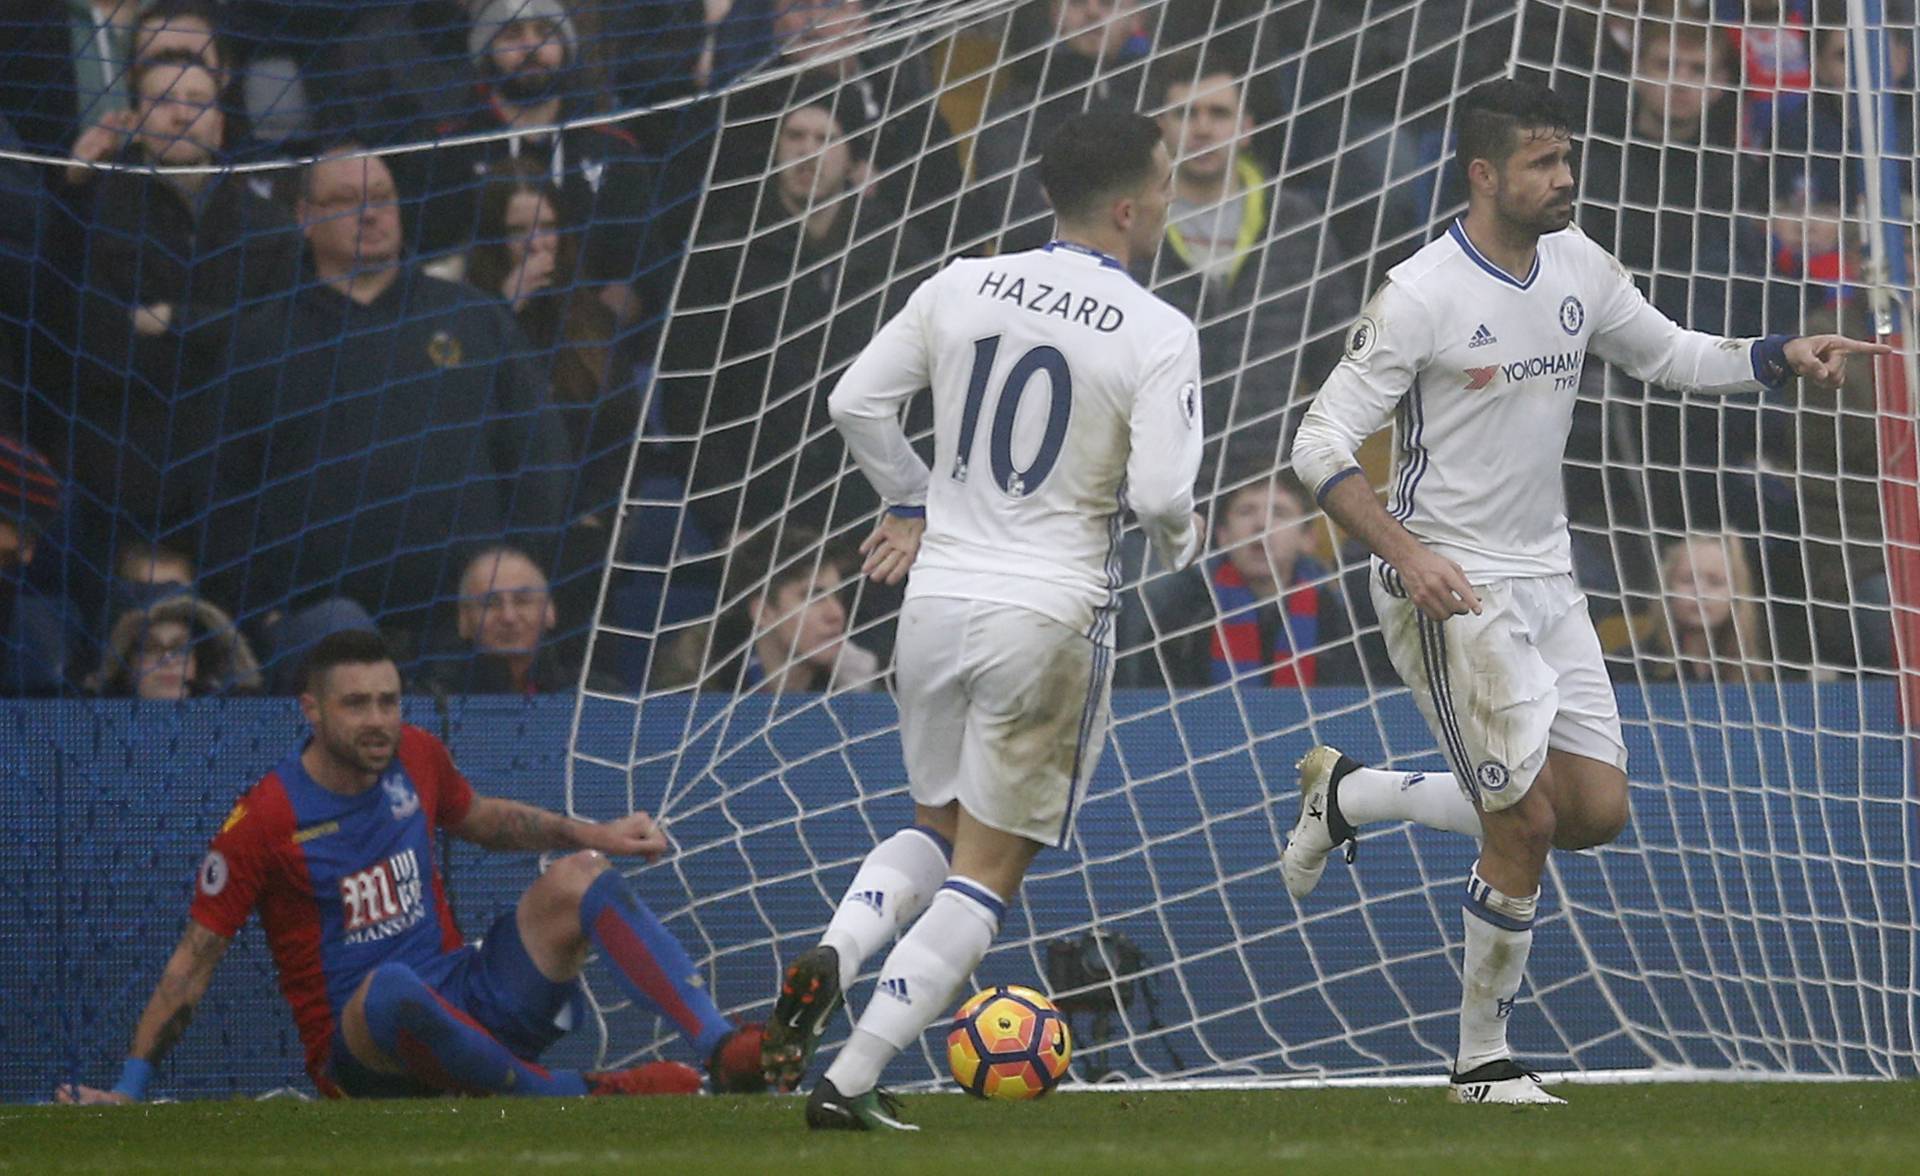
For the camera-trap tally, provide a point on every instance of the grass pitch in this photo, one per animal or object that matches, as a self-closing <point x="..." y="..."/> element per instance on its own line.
<point x="1667" y="1130"/>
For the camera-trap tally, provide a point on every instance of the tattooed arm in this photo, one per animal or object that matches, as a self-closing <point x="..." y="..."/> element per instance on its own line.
<point x="495" y="823"/>
<point x="169" y="1009"/>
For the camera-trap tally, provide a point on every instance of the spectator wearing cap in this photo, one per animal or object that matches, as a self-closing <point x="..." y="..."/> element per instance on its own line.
<point x="36" y="635"/>
<point x="528" y="78"/>
<point x="781" y="302"/>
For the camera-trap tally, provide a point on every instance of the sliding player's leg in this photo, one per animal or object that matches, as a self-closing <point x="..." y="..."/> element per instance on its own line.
<point x="474" y="1025"/>
<point x="581" y="902"/>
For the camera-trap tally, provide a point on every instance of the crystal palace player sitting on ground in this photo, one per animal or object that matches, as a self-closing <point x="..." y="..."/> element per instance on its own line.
<point x="1478" y="341"/>
<point x="335" y="848"/>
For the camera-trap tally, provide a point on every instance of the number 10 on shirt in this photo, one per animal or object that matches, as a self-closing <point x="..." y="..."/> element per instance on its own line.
<point x="1016" y="482"/>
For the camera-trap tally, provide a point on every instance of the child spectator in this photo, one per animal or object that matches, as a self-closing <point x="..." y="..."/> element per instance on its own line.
<point x="1708" y="627"/>
<point x="784" y="627"/>
<point x="180" y="647"/>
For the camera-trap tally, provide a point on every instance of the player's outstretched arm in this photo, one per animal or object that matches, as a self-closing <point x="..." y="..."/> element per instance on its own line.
<point x="499" y="824"/>
<point x="1823" y="358"/>
<point x="169" y="1010"/>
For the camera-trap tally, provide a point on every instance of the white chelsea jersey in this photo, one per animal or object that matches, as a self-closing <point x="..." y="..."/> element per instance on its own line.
<point x="1063" y="393"/>
<point x="1481" y="370"/>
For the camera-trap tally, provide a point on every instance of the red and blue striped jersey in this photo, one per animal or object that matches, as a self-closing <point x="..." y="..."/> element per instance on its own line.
<point x="343" y="883"/>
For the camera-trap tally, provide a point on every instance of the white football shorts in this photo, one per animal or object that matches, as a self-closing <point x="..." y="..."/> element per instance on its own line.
<point x="1002" y="709"/>
<point x="1501" y="688"/>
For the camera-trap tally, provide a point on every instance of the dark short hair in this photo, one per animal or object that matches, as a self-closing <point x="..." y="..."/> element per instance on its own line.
<point x="1189" y="66"/>
<point x="178" y="59"/>
<point x="348" y="647"/>
<point x="1490" y="119"/>
<point x="1247" y="480"/>
<point x="1095" y="157"/>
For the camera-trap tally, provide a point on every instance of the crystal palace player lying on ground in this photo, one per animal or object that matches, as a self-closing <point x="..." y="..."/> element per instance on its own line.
<point x="1056" y="381"/>
<point x="335" y="848"/>
<point x="1477" y="342"/>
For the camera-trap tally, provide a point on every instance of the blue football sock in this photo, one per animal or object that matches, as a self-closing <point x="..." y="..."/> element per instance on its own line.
<point x="649" y="962"/>
<point x="444" y="1047"/>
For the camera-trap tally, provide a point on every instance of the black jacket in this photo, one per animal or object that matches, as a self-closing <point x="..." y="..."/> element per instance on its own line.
<point x="145" y="399"/>
<point x="761" y="333"/>
<point x="371" y="448"/>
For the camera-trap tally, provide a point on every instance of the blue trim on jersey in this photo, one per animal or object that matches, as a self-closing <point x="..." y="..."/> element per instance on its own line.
<point x="1413" y="453"/>
<point x="1320" y="495"/>
<point x="901" y="510"/>
<point x="1433" y="650"/>
<point x="1105" y="259"/>
<point x="1769" y="357"/>
<point x="1103" y="614"/>
<point x="1458" y="232"/>
<point x="1088" y="714"/>
<point x="973" y="891"/>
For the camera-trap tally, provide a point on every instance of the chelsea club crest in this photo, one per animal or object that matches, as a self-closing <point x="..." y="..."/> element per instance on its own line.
<point x="1572" y="315"/>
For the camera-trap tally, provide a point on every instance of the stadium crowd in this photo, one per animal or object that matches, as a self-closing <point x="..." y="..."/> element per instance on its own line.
<point x="240" y="409"/>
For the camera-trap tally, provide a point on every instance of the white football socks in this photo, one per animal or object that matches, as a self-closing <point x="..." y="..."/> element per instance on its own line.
<point x="1499" y="936"/>
<point x="895" y="883"/>
<point x="918" y="981"/>
<point x="1432" y="799"/>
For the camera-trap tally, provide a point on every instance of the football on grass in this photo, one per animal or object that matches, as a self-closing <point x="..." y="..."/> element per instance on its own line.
<point x="1008" y="1042"/>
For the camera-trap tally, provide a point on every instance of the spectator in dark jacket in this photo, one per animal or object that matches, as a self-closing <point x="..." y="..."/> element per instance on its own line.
<point x="529" y="255"/>
<point x="1663" y="189"/>
<point x="524" y="52"/>
<point x="178" y="647"/>
<point x="384" y="424"/>
<point x="1254" y="265"/>
<point x="884" y="97"/>
<point x="172" y="262"/>
<point x="1262" y="612"/>
<point x="505" y="622"/>
<point x="770" y="314"/>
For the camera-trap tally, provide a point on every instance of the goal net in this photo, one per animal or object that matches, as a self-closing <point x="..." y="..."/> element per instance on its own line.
<point x="1748" y="169"/>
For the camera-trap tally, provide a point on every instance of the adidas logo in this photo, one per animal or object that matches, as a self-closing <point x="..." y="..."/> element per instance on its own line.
<point x="896" y="988"/>
<point x="1502" y="1009"/>
<point x="1481" y="337"/>
<point x="877" y="899"/>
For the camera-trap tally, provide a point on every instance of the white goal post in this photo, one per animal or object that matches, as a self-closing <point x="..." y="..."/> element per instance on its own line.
<point x="1759" y="914"/>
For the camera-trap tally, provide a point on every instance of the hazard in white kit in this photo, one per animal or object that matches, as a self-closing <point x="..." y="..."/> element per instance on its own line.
<point x="1064" y="395"/>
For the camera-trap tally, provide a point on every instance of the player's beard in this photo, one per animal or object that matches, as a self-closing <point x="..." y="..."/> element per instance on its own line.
<point x="351" y="753"/>
<point x="1540" y="220"/>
